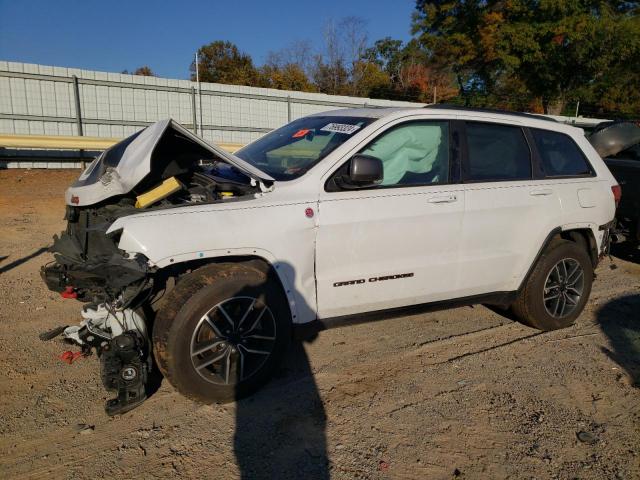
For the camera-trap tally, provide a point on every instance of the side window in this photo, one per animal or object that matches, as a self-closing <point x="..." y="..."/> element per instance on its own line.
<point x="560" y="155"/>
<point x="414" y="153"/>
<point x="496" y="152"/>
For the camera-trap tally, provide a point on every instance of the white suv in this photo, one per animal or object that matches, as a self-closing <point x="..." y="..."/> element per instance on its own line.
<point x="339" y="213"/>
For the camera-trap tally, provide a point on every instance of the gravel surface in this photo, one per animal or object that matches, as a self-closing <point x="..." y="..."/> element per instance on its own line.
<point x="459" y="393"/>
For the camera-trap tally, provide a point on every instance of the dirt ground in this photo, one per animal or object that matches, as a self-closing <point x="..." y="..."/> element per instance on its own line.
<point x="459" y="393"/>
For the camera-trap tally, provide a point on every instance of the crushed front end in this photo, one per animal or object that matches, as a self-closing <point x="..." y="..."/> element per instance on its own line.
<point x="163" y="166"/>
<point x="113" y="286"/>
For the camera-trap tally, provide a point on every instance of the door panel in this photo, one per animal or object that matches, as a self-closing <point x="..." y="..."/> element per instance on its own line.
<point x="507" y="214"/>
<point x="406" y="234"/>
<point x="396" y="244"/>
<point x="504" y="225"/>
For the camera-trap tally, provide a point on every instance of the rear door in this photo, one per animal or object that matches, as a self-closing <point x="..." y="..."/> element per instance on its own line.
<point x="395" y="244"/>
<point x="507" y="213"/>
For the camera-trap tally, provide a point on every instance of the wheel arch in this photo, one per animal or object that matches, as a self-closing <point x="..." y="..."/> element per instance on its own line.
<point x="272" y="268"/>
<point x="583" y="235"/>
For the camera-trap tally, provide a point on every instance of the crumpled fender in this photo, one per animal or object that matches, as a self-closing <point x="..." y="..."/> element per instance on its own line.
<point x="172" y="236"/>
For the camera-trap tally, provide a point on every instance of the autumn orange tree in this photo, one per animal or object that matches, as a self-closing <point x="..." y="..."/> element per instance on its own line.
<point x="536" y="53"/>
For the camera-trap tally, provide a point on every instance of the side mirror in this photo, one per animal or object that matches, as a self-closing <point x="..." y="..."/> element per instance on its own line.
<point x="365" y="171"/>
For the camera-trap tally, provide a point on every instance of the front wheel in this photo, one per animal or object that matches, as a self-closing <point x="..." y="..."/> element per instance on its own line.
<point x="558" y="288"/>
<point x="221" y="332"/>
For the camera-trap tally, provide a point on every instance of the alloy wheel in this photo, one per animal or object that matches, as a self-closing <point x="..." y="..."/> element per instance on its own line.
<point x="563" y="288"/>
<point x="233" y="340"/>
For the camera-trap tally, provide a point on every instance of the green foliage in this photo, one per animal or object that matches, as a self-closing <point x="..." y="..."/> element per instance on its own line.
<point x="535" y="52"/>
<point x="531" y="55"/>
<point x="287" y="77"/>
<point x="222" y="62"/>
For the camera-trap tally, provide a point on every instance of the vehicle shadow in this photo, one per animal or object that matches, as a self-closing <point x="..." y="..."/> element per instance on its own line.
<point x="626" y="251"/>
<point x="20" y="261"/>
<point x="619" y="319"/>
<point x="280" y="429"/>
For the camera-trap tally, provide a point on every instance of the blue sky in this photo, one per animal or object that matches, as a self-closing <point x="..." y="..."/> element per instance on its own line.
<point x="114" y="35"/>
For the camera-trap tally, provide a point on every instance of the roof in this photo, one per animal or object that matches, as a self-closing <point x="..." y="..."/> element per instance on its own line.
<point x="529" y="119"/>
<point x="488" y="110"/>
<point x="373" y="112"/>
<point x="377" y="112"/>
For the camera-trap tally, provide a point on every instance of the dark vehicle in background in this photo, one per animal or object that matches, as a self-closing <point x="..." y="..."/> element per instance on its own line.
<point x="619" y="145"/>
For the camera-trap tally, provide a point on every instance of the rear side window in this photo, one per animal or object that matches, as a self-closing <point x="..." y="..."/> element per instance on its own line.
<point x="559" y="154"/>
<point x="496" y="152"/>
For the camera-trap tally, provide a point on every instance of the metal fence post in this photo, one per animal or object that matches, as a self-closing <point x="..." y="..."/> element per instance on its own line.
<point x="76" y="95"/>
<point x="288" y="108"/>
<point x="193" y="110"/>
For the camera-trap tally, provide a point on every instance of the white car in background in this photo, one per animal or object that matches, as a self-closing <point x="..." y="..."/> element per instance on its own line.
<point x="206" y="260"/>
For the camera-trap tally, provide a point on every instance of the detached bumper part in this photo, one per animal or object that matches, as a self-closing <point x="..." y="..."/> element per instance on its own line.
<point x="125" y="371"/>
<point x="120" y="340"/>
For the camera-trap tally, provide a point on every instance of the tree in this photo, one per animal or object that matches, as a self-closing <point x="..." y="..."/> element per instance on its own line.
<point x="298" y="52"/>
<point x="145" y="71"/>
<point x="287" y="77"/>
<point x="330" y="77"/>
<point x="550" y="51"/>
<point x="412" y="76"/>
<point x="222" y="62"/>
<point x="372" y="80"/>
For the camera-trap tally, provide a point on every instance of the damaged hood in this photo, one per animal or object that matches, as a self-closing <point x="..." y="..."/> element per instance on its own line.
<point x="120" y="168"/>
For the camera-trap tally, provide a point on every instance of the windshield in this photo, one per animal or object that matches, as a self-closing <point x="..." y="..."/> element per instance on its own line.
<point x="290" y="151"/>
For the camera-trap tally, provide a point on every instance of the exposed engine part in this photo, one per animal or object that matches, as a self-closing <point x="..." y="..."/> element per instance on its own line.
<point x="124" y="368"/>
<point x="169" y="186"/>
<point x="51" y="334"/>
<point x="101" y="324"/>
<point x="120" y="340"/>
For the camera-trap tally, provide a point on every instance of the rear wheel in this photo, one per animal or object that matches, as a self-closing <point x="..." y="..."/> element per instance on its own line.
<point x="221" y="332"/>
<point x="558" y="288"/>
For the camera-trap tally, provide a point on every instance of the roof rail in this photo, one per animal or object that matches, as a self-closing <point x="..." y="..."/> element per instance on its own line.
<point x="447" y="106"/>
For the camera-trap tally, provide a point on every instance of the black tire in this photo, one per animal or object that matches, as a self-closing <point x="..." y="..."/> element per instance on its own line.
<point x="181" y="330"/>
<point x="531" y="308"/>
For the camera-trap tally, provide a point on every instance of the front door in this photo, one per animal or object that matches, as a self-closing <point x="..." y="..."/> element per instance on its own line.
<point x="395" y="244"/>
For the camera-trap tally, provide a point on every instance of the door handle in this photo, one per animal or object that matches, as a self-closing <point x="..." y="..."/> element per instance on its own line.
<point x="443" y="199"/>
<point x="541" y="192"/>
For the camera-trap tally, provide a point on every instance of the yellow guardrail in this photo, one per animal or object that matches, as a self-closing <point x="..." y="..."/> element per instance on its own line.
<point x="62" y="142"/>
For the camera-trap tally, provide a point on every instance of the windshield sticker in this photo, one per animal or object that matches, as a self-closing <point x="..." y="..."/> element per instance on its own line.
<point x="340" y="128"/>
<point x="300" y="133"/>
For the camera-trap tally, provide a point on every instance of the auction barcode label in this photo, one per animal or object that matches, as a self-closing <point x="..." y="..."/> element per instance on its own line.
<point x="340" y="128"/>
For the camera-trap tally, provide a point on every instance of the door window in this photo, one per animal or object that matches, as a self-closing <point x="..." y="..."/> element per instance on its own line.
<point x="414" y="153"/>
<point x="496" y="152"/>
<point x="560" y="155"/>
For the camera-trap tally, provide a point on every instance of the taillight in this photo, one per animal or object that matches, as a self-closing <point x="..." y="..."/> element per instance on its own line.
<point x="617" y="193"/>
